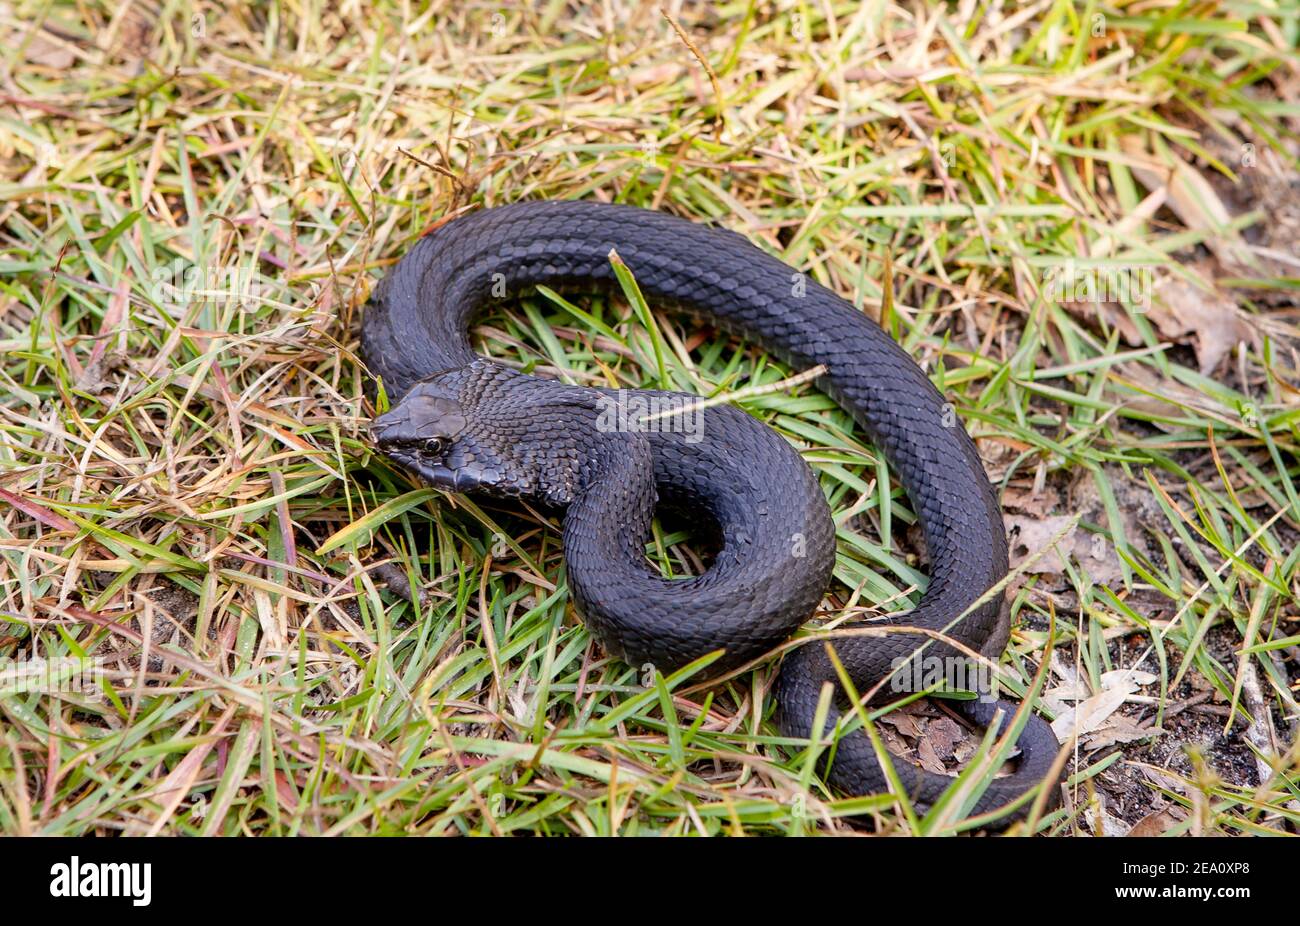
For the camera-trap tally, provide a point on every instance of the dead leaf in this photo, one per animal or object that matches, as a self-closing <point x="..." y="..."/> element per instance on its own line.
<point x="1103" y="823"/>
<point x="903" y="722"/>
<point x="1115" y="317"/>
<point x="1215" y="322"/>
<point x="1029" y="502"/>
<point x="1192" y="199"/>
<point x="1155" y="824"/>
<point x="50" y="54"/>
<point x="893" y="742"/>
<point x="1093" y="553"/>
<point x="1167" y="397"/>
<point x="654" y="75"/>
<point x="1088" y="715"/>
<point x="943" y="733"/>
<point x="1072" y="688"/>
<point x="965" y="749"/>
<point x="929" y="757"/>
<point x="1128" y="679"/>
<point x="1030" y="535"/>
<point x="1119" y="729"/>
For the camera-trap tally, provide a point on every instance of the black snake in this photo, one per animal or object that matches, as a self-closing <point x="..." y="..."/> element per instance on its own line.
<point x="468" y="424"/>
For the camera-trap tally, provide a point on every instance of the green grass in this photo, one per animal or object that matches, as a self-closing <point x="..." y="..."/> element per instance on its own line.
<point x="203" y="454"/>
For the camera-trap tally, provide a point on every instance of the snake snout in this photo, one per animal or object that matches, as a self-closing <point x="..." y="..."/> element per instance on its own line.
<point x="391" y="427"/>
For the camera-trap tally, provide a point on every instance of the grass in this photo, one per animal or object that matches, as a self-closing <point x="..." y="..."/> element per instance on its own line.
<point x="189" y="493"/>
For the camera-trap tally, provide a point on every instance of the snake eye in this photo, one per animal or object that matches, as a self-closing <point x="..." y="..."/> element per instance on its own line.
<point x="433" y="447"/>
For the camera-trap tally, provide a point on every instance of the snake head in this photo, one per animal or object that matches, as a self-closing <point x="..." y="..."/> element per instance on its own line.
<point x="420" y="433"/>
<point x="430" y="432"/>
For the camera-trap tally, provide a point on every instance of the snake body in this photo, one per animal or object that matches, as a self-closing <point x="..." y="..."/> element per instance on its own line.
<point x="468" y="424"/>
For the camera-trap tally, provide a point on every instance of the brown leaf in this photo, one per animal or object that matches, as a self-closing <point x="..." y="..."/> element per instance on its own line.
<point x="1119" y="729"/>
<point x="893" y="742"/>
<point x="1029" y="502"/>
<point x="655" y="74"/>
<point x="929" y="757"/>
<point x="1164" y="393"/>
<point x="903" y="722"/>
<point x="943" y="734"/>
<point x="1155" y="824"/>
<point x="1093" y="552"/>
<point x="50" y="54"/>
<point x="1215" y="322"/>
<point x="1192" y="199"/>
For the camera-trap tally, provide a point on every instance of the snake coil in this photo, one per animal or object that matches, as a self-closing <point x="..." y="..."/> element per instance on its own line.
<point x="468" y="424"/>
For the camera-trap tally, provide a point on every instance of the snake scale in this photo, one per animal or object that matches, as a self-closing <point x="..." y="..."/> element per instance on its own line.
<point x="467" y="424"/>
